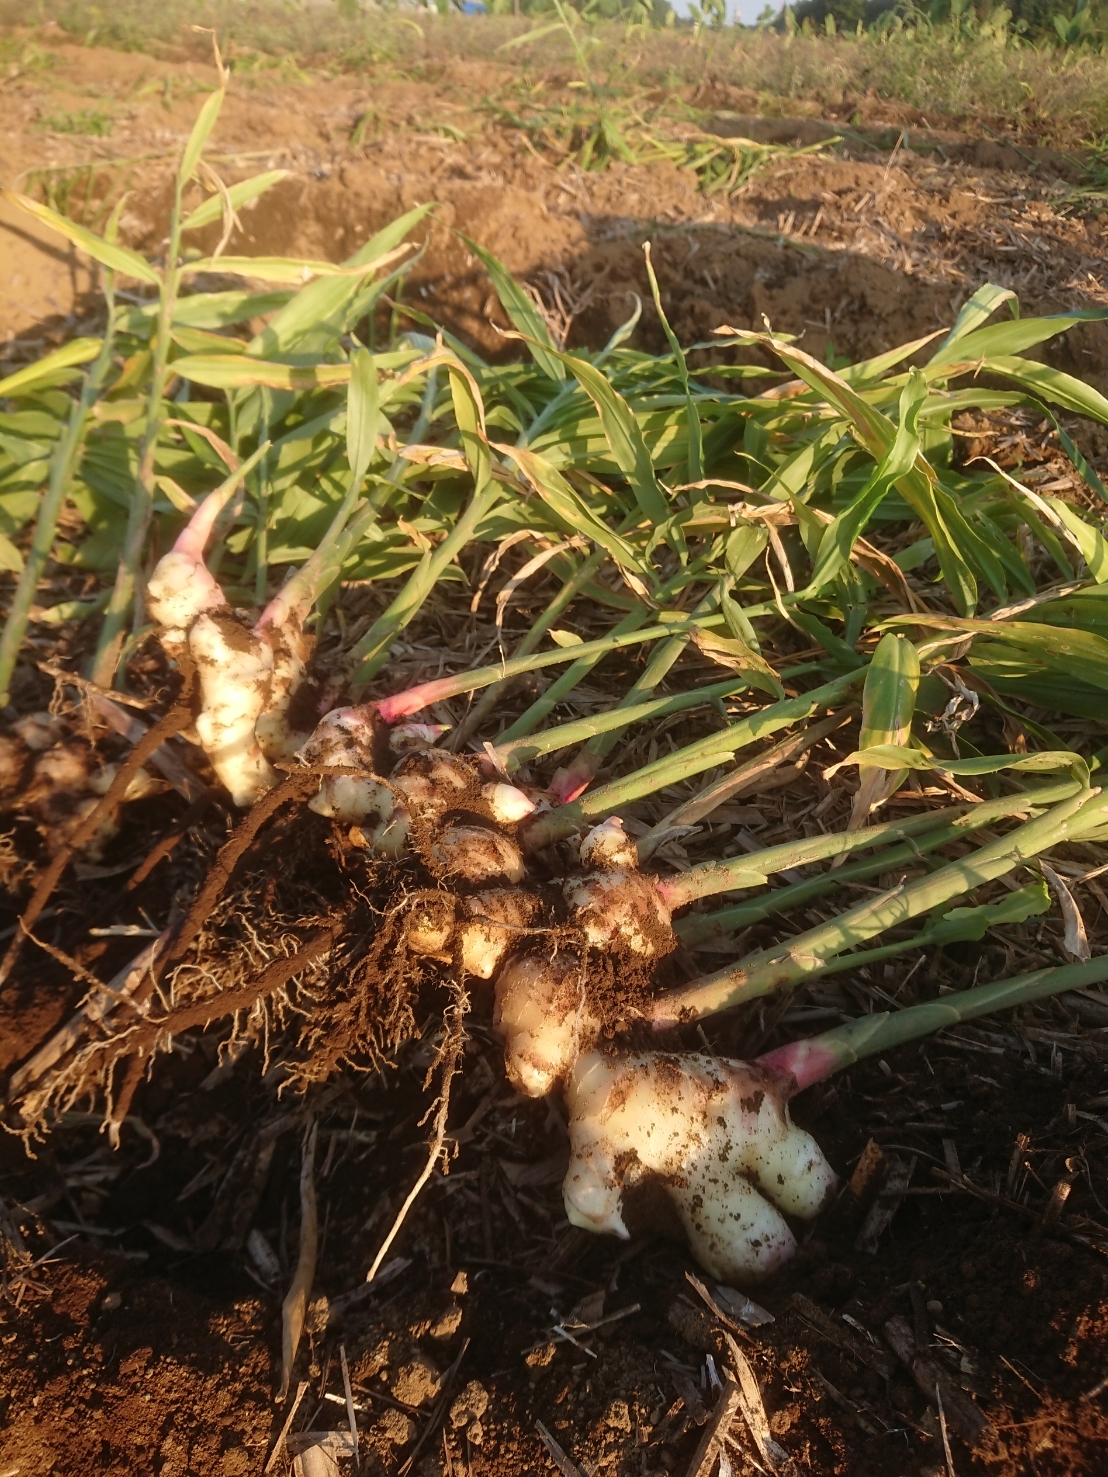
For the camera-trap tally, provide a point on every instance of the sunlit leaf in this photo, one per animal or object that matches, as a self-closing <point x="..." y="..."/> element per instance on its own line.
<point x="117" y="258"/>
<point x="238" y="195"/>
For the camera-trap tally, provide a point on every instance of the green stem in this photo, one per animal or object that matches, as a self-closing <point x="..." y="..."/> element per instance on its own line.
<point x="808" y="955"/>
<point x="261" y="508"/>
<point x="612" y="722"/>
<point x="124" y="601"/>
<point x="323" y="571"/>
<point x="694" y="759"/>
<point x="695" y="928"/>
<point x="819" y="1057"/>
<point x="711" y="878"/>
<point x="63" y="464"/>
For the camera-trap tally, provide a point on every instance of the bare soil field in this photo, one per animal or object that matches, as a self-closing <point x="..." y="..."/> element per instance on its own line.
<point x="965" y="1330"/>
<point x="861" y="248"/>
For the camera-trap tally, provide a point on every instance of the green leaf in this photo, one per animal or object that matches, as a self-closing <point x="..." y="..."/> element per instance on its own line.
<point x="736" y="620"/>
<point x="239" y="195"/>
<point x="289" y="269"/>
<point x="362" y="414"/>
<point x="624" y="437"/>
<point x="838" y="540"/>
<point x="570" y="510"/>
<point x="11" y="560"/>
<point x="1093" y="545"/>
<point x="1007" y="338"/>
<point x="201" y="132"/>
<point x="1077" y="457"/>
<point x="201" y="341"/>
<point x="734" y="654"/>
<point x="536" y="34"/>
<point x="981" y="306"/>
<point x="238" y="371"/>
<point x="869" y="371"/>
<point x="521" y="310"/>
<point x="692" y="418"/>
<point x="322" y="302"/>
<point x="798" y="470"/>
<point x="945" y="523"/>
<point x="971" y="923"/>
<point x="1074" y="653"/>
<point x="223" y="309"/>
<point x="469" y="412"/>
<point x="743" y="546"/>
<point x="898" y="756"/>
<point x="889" y="695"/>
<point x="116" y="258"/>
<point x="1053" y="385"/>
<point x="23" y="381"/>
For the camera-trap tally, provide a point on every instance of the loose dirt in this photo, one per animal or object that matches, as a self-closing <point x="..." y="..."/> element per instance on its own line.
<point x="142" y="1323"/>
<point x="141" y="1326"/>
<point x="855" y="251"/>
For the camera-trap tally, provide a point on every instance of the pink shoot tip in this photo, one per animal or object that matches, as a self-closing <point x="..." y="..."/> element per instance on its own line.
<point x="404" y="704"/>
<point x="571" y="782"/>
<point x="805" y="1062"/>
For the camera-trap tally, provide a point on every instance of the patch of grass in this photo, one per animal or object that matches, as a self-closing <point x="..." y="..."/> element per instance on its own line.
<point x="18" y="57"/>
<point x="594" y="132"/>
<point x="1093" y="190"/>
<point x="951" y="76"/>
<point x="89" y="122"/>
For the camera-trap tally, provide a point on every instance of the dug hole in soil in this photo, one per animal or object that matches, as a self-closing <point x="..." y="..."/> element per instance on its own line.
<point x="142" y="1321"/>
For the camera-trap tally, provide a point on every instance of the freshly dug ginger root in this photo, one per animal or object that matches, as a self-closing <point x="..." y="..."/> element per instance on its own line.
<point x="247" y="675"/>
<point x="542" y="1014"/>
<point x="616" y="905"/>
<point x="715" y="1135"/>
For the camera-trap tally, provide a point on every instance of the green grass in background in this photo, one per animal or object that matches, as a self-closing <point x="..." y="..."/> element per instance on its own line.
<point x="978" y="74"/>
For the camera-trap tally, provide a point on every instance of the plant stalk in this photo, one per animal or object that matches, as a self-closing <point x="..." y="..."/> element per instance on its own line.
<point x="124" y="599"/>
<point x="711" y="878"/>
<point x="694" y="759"/>
<point x="63" y="465"/>
<point x="696" y="927"/>
<point x="818" y="1057"/>
<point x="808" y="955"/>
<point x="612" y="722"/>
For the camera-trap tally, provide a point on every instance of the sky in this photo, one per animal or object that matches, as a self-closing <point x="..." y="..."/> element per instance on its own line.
<point x="746" y="11"/>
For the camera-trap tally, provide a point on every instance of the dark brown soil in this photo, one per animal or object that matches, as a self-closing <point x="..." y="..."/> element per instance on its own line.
<point x="146" y="1336"/>
<point x="130" y="1351"/>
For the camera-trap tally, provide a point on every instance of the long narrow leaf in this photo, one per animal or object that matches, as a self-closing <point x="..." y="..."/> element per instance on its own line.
<point x="117" y="258"/>
<point x="241" y="194"/>
<point x="362" y="414"/>
<point x="522" y="311"/>
<point x="32" y="376"/>
<point x="201" y="132"/>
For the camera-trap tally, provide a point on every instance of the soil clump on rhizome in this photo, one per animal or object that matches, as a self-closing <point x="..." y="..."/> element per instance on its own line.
<point x="142" y="1326"/>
